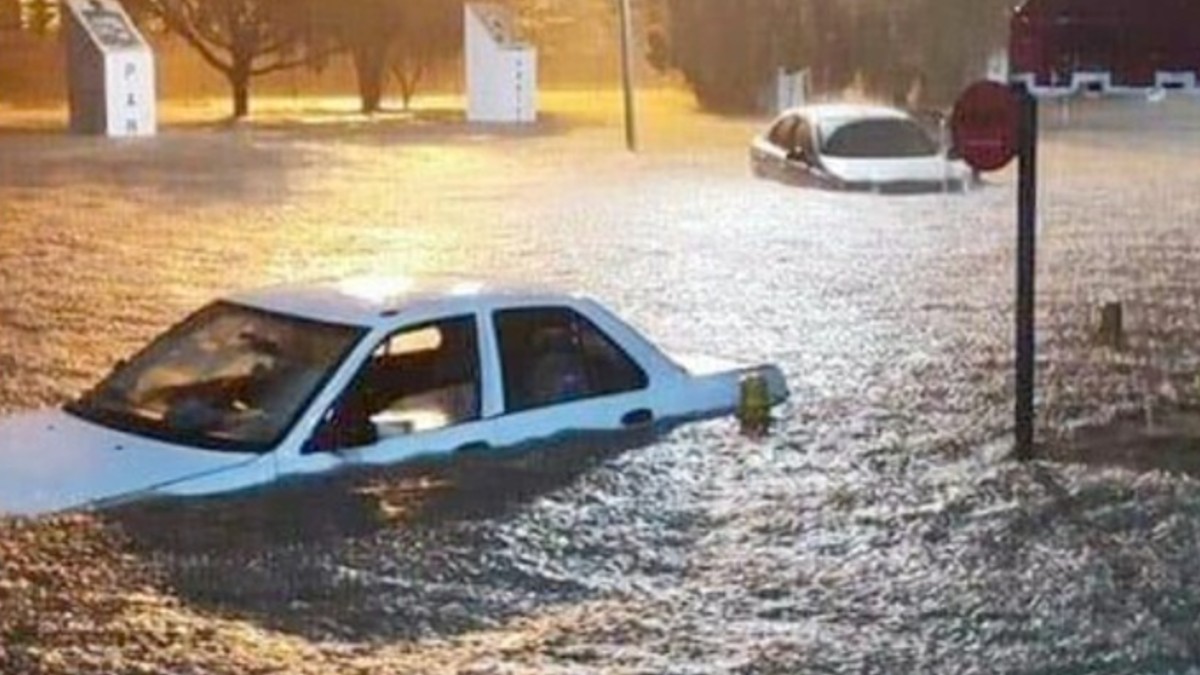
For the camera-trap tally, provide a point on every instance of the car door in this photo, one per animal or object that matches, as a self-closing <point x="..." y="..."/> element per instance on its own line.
<point x="420" y="393"/>
<point x="560" y="371"/>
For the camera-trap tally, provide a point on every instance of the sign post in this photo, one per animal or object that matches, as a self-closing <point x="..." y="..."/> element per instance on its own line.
<point x="991" y="124"/>
<point x="1026" y="274"/>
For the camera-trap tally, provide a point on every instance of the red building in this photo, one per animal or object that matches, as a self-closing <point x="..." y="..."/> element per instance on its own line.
<point x="1060" y="46"/>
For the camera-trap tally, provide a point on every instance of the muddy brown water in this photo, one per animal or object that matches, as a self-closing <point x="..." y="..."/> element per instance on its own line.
<point x="879" y="529"/>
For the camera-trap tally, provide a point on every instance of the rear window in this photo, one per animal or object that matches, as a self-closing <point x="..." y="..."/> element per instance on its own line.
<point x="879" y="138"/>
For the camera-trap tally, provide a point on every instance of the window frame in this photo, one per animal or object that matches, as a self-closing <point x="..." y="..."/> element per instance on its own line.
<point x="359" y="334"/>
<point x="802" y="137"/>
<point x="789" y="134"/>
<point x="582" y="319"/>
<point x="479" y="370"/>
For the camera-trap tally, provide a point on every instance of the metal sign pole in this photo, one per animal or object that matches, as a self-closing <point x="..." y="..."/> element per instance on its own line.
<point x="631" y="139"/>
<point x="1026" y="272"/>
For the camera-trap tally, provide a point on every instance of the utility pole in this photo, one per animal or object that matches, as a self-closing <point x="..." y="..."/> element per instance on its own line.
<point x="631" y="137"/>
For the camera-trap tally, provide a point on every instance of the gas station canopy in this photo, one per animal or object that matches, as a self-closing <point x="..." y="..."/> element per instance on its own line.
<point x="1060" y="47"/>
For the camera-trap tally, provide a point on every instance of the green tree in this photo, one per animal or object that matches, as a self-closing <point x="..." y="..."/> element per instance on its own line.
<point x="729" y="51"/>
<point x="954" y="45"/>
<point x="241" y="39"/>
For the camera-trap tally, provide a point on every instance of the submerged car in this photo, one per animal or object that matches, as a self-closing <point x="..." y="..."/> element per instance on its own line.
<point x="855" y="147"/>
<point x="319" y="377"/>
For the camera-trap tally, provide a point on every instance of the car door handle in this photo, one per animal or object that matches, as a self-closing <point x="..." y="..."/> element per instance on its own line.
<point x="637" y="418"/>
<point x="476" y="446"/>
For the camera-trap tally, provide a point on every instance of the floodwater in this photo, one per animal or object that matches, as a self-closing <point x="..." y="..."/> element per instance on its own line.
<point x="879" y="529"/>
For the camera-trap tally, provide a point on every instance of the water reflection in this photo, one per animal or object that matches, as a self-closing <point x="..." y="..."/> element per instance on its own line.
<point x="288" y="556"/>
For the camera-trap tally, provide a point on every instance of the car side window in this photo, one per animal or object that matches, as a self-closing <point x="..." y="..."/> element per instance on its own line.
<point x="783" y="134"/>
<point x="419" y="379"/>
<point x="552" y="355"/>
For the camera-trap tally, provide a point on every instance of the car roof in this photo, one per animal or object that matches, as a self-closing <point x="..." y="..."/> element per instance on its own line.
<point x="378" y="301"/>
<point x="825" y="112"/>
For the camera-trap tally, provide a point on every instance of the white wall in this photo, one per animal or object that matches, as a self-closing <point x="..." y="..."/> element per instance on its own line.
<point x="501" y="71"/>
<point x="130" y="94"/>
<point x="110" y="71"/>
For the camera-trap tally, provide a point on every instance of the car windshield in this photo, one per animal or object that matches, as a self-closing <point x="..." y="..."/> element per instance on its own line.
<point x="879" y="138"/>
<point x="228" y="378"/>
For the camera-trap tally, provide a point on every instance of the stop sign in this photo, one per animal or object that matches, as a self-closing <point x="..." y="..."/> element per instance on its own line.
<point x="984" y="125"/>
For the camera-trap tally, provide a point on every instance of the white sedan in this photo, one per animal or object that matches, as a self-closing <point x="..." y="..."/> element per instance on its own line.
<point x="855" y="147"/>
<point x="315" y="378"/>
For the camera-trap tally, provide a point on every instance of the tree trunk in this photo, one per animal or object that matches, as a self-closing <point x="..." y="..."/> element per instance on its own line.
<point x="369" y="65"/>
<point x="408" y="86"/>
<point x="239" y="80"/>
<point x="241" y="98"/>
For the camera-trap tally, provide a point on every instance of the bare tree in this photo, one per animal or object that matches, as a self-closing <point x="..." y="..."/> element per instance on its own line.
<point x="242" y="39"/>
<point x="432" y="31"/>
<point x="403" y="36"/>
<point x="367" y="29"/>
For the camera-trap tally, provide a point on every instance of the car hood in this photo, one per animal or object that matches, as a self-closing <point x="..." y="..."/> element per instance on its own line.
<point x="935" y="168"/>
<point x="51" y="461"/>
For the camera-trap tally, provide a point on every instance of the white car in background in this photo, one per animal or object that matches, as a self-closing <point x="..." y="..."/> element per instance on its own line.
<point x="855" y="147"/>
<point x="315" y="378"/>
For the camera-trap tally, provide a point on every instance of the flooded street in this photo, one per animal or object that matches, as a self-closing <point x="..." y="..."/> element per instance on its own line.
<point x="879" y="529"/>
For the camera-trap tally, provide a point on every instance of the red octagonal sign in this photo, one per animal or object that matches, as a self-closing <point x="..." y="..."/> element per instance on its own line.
<point x="984" y="125"/>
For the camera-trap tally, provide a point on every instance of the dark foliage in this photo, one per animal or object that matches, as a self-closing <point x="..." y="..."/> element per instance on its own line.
<point x="894" y="49"/>
<point x="404" y="38"/>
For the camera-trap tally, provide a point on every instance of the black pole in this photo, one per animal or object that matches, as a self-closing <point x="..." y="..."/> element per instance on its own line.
<point x="1026" y="272"/>
<point x="631" y="140"/>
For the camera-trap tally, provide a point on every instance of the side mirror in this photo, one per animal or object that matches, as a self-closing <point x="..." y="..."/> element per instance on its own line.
<point x="118" y="366"/>
<point x="323" y="440"/>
